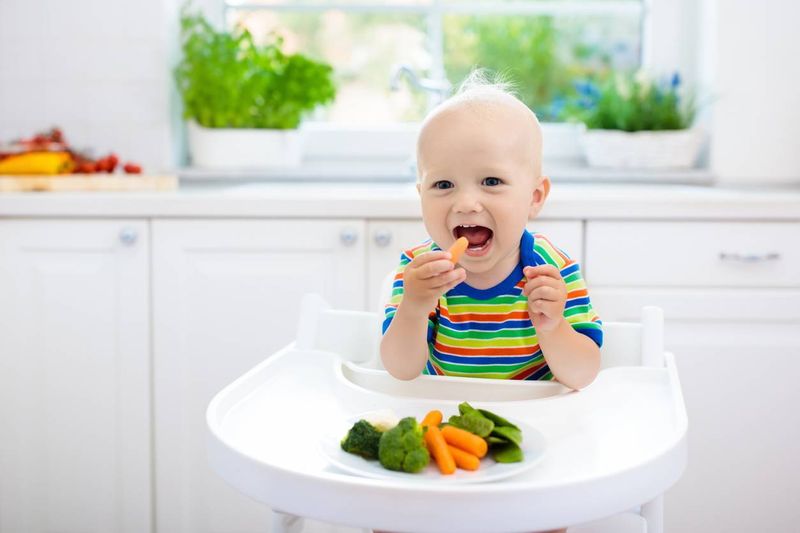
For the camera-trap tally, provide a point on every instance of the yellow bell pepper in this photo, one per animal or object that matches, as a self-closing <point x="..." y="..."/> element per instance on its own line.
<point x="37" y="163"/>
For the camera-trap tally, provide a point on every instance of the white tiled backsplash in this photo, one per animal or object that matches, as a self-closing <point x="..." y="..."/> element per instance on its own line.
<point x="99" y="69"/>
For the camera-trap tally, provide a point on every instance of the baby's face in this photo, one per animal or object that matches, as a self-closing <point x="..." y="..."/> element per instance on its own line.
<point x="480" y="177"/>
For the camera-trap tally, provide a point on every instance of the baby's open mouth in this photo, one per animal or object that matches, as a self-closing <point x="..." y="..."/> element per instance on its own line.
<point x="478" y="236"/>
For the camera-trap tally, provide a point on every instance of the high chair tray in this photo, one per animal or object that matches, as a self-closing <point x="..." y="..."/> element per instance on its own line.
<point x="615" y="445"/>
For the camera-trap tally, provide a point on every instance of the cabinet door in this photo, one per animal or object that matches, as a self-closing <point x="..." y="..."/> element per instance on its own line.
<point x="388" y="238"/>
<point x="739" y="381"/>
<point x="227" y="295"/>
<point x="74" y="376"/>
<point x="736" y="343"/>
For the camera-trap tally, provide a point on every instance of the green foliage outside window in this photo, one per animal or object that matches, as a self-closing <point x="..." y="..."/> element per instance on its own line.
<point x="529" y="51"/>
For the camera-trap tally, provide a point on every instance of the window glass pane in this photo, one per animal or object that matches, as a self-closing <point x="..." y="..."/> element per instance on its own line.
<point x="362" y="47"/>
<point x="542" y="55"/>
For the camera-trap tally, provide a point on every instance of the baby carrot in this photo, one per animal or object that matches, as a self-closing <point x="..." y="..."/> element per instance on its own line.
<point x="433" y="418"/>
<point x="464" y="460"/>
<point x="439" y="450"/>
<point x="469" y="442"/>
<point x="457" y="249"/>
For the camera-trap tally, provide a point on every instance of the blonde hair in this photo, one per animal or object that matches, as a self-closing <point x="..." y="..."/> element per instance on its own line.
<point x="481" y="87"/>
<point x="482" y="82"/>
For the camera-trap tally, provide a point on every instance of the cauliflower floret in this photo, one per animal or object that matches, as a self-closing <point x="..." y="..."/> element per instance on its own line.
<point x="383" y="420"/>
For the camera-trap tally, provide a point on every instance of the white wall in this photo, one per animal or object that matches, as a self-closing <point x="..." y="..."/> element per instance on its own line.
<point x="96" y="68"/>
<point x="755" y="71"/>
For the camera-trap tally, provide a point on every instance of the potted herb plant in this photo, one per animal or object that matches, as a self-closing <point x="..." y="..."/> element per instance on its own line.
<point x="634" y="122"/>
<point x="245" y="102"/>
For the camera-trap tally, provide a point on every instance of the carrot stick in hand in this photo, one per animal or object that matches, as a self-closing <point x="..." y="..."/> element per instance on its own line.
<point x="469" y="442"/>
<point x="439" y="450"/>
<point x="457" y="249"/>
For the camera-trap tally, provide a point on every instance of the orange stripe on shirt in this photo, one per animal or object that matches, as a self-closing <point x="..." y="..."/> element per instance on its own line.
<point x="577" y="293"/>
<point x="484" y="317"/>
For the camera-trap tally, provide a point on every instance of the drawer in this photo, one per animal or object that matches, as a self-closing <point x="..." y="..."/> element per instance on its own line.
<point x="742" y="305"/>
<point x="692" y="254"/>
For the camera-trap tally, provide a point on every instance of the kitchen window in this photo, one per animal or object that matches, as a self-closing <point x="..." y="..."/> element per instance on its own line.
<point x="394" y="60"/>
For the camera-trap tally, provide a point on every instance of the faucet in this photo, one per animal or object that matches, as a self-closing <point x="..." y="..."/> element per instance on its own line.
<point x="437" y="90"/>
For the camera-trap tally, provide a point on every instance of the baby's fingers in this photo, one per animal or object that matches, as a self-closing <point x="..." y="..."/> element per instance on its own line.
<point x="433" y="269"/>
<point x="541" y="270"/>
<point x="544" y="293"/>
<point x="540" y="281"/>
<point x="451" y="279"/>
<point x="427" y="257"/>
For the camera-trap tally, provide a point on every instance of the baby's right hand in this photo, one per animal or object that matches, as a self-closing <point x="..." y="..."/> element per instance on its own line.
<point x="427" y="277"/>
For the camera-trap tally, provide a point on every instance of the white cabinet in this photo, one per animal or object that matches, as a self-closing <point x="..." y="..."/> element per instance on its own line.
<point x="388" y="239"/>
<point x="226" y="294"/>
<point x="740" y="385"/>
<point x="74" y="376"/>
<point x="729" y="292"/>
<point x="76" y="349"/>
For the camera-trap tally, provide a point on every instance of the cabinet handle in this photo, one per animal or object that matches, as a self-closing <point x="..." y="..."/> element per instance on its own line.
<point x="383" y="238"/>
<point x="348" y="236"/>
<point x="128" y="236"/>
<point x="736" y="257"/>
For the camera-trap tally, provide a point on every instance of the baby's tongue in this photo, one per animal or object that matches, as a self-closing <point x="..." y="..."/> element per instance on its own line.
<point x="476" y="236"/>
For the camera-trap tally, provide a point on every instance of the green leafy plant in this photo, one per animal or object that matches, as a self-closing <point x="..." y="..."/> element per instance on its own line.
<point x="632" y="102"/>
<point x="227" y="81"/>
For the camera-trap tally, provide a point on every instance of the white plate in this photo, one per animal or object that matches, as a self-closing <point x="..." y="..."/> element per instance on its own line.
<point x="533" y="446"/>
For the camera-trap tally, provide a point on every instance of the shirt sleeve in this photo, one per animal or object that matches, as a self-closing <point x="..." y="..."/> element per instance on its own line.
<point x="397" y="296"/>
<point x="578" y="309"/>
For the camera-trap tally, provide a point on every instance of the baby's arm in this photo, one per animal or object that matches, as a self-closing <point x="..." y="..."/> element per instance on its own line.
<point x="573" y="358"/>
<point x="404" y="347"/>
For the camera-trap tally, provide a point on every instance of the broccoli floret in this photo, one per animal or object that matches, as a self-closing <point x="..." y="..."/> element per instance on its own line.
<point x="362" y="439"/>
<point x="403" y="448"/>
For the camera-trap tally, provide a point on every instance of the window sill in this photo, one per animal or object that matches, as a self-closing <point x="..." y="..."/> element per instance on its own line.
<point x="345" y="153"/>
<point x="360" y="171"/>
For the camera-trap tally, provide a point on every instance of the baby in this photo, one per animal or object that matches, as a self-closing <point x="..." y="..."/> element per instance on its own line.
<point x="515" y="306"/>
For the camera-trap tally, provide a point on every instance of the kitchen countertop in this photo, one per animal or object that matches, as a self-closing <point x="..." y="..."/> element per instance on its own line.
<point x="400" y="200"/>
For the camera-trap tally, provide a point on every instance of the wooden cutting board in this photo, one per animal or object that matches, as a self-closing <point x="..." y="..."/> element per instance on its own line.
<point x="88" y="182"/>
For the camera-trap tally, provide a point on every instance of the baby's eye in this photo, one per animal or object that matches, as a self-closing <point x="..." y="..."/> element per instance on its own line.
<point x="492" y="182"/>
<point x="443" y="184"/>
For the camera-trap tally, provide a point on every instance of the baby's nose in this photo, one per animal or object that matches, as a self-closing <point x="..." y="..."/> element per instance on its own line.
<point x="467" y="203"/>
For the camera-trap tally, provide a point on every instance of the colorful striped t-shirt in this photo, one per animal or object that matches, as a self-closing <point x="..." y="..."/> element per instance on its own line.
<point x="488" y="333"/>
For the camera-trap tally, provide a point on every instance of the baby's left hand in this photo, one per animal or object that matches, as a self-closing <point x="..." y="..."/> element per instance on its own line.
<point x="547" y="296"/>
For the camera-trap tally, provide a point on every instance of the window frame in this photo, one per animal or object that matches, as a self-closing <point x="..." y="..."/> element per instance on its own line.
<point x="664" y="23"/>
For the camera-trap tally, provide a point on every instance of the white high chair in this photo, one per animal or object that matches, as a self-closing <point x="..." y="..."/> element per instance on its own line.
<point x="358" y="334"/>
<point x="605" y="453"/>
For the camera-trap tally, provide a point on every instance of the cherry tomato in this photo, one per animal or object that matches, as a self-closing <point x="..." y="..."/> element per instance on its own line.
<point x="132" y="168"/>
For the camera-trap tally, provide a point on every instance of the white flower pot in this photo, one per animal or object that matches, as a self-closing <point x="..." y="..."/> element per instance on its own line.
<point x="642" y="149"/>
<point x="244" y="148"/>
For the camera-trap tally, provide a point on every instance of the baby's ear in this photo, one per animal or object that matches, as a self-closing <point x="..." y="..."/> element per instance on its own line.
<point x="539" y="196"/>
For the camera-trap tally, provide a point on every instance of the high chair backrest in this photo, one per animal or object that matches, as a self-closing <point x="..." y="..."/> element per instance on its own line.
<point x="355" y="335"/>
<point x="634" y="343"/>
